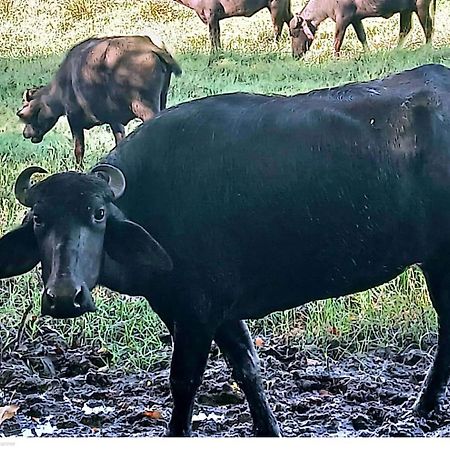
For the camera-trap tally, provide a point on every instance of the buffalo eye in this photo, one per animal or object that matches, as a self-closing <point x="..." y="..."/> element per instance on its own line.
<point x="99" y="214"/>
<point x="37" y="220"/>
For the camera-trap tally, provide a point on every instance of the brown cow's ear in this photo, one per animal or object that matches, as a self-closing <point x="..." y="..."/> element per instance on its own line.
<point x="29" y="93"/>
<point x="27" y="111"/>
<point x="131" y="245"/>
<point x="18" y="251"/>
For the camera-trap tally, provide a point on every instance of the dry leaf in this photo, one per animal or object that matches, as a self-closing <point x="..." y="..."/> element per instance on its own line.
<point x="7" y="412"/>
<point x="259" y="342"/>
<point x="324" y="393"/>
<point x="235" y="386"/>
<point x="334" y="330"/>
<point x="153" y="414"/>
<point x="312" y="362"/>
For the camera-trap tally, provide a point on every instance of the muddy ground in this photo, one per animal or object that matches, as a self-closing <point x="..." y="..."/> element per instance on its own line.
<point x="72" y="392"/>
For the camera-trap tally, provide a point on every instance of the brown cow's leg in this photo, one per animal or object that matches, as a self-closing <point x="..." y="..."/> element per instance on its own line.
<point x="214" y="33"/>
<point x="426" y="20"/>
<point x="405" y="26"/>
<point x="190" y="353"/>
<point x="234" y="340"/>
<point x="142" y="111"/>
<point x="78" y="139"/>
<point x="79" y="147"/>
<point x="277" y="14"/>
<point x="118" y="130"/>
<point x="341" y="28"/>
<point x="360" y="33"/>
<point x="437" y="275"/>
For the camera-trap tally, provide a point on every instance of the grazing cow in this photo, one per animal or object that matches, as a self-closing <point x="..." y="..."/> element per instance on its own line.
<point x="103" y="80"/>
<point x="303" y="25"/>
<point x="309" y="197"/>
<point x="212" y="11"/>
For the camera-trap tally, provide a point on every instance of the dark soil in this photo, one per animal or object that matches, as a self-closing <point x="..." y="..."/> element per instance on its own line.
<point x="72" y="392"/>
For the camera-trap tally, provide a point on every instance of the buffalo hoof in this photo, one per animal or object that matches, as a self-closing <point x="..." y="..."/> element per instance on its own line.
<point x="424" y="407"/>
<point x="268" y="433"/>
<point x="177" y="433"/>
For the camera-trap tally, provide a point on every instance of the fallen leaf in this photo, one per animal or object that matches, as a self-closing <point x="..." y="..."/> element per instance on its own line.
<point x="259" y="342"/>
<point x="95" y="430"/>
<point x="334" y="330"/>
<point x="324" y="393"/>
<point x="235" y="386"/>
<point x="153" y="414"/>
<point x="312" y="362"/>
<point x="7" y="412"/>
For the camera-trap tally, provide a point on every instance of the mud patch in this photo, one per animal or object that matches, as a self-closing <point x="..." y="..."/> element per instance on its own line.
<point x="72" y="392"/>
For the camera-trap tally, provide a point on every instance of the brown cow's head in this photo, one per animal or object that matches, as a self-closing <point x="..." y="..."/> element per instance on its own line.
<point x="302" y="33"/>
<point x="76" y="232"/>
<point x="38" y="114"/>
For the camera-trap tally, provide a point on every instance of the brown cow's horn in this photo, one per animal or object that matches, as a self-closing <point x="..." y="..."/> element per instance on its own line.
<point x="23" y="184"/>
<point x="114" y="177"/>
<point x="307" y="30"/>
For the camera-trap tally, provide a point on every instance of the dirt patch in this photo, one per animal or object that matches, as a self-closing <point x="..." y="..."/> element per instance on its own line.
<point x="72" y="392"/>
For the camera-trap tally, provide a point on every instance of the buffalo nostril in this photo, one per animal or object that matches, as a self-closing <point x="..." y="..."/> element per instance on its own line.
<point x="51" y="299"/>
<point x="78" y="298"/>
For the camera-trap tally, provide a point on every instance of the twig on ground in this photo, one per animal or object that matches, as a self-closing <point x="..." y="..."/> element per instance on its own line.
<point x="14" y="343"/>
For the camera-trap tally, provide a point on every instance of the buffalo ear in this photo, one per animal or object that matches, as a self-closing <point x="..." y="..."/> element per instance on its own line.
<point x="19" y="252"/>
<point x="129" y="244"/>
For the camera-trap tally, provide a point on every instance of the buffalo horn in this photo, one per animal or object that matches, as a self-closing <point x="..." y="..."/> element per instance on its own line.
<point x="114" y="178"/>
<point x="23" y="184"/>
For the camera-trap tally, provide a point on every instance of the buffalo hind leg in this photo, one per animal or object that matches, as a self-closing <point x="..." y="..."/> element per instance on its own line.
<point x="118" y="130"/>
<point x="360" y="33"/>
<point x="190" y="353"/>
<point x="425" y="19"/>
<point x="437" y="275"/>
<point x="405" y="26"/>
<point x="234" y="340"/>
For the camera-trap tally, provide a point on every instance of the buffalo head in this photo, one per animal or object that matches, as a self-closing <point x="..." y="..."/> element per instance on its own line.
<point x="302" y="34"/>
<point x="39" y="113"/>
<point x="72" y="227"/>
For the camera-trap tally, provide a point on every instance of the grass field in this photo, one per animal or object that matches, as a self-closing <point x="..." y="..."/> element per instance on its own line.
<point x="36" y="33"/>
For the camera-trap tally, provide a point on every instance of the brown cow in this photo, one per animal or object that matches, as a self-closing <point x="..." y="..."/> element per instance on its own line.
<point x="102" y="80"/>
<point x="212" y="11"/>
<point x="351" y="12"/>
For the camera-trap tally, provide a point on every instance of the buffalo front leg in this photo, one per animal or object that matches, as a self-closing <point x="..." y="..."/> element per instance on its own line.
<point x="405" y="27"/>
<point x="278" y="20"/>
<point x="437" y="275"/>
<point x="78" y="140"/>
<point x="234" y="340"/>
<point x="360" y="33"/>
<point x="143" y="111"/>
<point x="191" y="347"/>
<point x="118" y="130"/>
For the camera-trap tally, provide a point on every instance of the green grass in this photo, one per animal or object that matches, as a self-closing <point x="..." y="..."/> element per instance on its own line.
<point x="395" y="314"/>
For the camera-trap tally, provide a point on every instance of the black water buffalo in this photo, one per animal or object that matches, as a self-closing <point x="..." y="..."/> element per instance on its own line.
<point x="103" y="80"/>
<point x="303" y="25"/>
<point x="239" y="205"/>
<point x="212" y="11"/>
